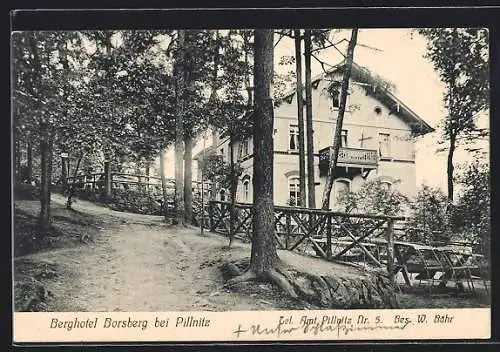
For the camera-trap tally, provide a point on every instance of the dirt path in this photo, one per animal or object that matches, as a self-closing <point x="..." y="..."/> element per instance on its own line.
<point x="139" y="263"/>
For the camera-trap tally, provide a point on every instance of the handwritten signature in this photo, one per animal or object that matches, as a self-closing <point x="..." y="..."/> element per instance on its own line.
<point x="315" y="328"/>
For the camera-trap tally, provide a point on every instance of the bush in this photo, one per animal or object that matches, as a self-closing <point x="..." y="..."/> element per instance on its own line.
<point x="89" y="194"/>
<point x="374" y="198"/>
<point x="429" y="216"/>
<point x="135" y="201"/>
<point x="26" y="191"/>
<point x="471" y="214"/>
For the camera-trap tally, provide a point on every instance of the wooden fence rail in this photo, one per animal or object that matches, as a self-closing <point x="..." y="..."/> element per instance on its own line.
<point x="98" y="181"/>
<point x="332" y="235"/>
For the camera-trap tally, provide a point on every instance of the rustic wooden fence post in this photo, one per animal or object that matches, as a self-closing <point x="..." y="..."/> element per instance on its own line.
<point x="328" y="237"/>
<point x="211" y="205"/>
<point x="390" y="249"/>
<point x="287" y="230"/>
<point x="107" y="181"/>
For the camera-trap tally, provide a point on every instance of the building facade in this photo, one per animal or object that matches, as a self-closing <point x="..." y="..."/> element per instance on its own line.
<point x="378" y="141"/>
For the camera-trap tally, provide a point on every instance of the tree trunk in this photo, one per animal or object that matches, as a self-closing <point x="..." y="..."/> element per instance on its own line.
<point x="309" y="123"/>
<point x="300" y="118"/>
<point x="138" y="172"/>
<point x="107" y="181"/>
<point x="188" y="179"/>
<point x="450" y="168"/>
<point x="64" y="175"/>
<point x="72" y="188"/>
<point x="233" y="189"/>
<point x="264" y="260"/>
<point x="163" y="183"/>
<point x="45" y="181"/>
<point x="213" y="185"/>
<point x="29" y="160"/>
<point x="264" y="256"/>
<point x="179" y="129"/>
<point x="334" y="151"/>
<point x="45" y="140"/>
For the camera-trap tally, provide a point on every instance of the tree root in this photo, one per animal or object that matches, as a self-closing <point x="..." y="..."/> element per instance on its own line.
<point x="282" y="282"/>
<point x="246" y="276"/>
<point x="277" y="276"/>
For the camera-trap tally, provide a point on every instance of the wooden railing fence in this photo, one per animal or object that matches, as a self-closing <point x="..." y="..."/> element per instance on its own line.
<point x="332" y="235"/>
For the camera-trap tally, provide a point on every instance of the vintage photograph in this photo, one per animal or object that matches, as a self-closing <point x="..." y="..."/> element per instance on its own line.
<point x="250" y="170"/>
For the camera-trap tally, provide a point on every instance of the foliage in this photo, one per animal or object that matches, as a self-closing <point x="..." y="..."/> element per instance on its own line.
<point x="26" y="191"/>
<point x="132" y="90"/>
<point x="460" y="57"/>
<point x="471" y="215"/>
<point x="137" y="201"/>
<point x="293" y="202"/>
<point x="214" y="168"/>
<point x="429" y="213"/>
<point x="374" y="198"/>
<point x="230" y="83"/>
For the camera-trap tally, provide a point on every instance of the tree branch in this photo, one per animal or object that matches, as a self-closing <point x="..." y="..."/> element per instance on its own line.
<point x="279" y="39"/>
<point x="329" y="46"/>
<point x="289" y="35"/>
<point x="322" y="63"/>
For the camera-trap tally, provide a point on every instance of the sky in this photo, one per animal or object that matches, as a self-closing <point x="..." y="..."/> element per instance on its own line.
<point x="398" y="56"/>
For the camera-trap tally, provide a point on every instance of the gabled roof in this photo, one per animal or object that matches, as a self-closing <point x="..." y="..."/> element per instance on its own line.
<point x="418" y="125"/>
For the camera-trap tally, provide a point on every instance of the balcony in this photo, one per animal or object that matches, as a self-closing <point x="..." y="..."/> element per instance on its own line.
<point x="365" y="159"/>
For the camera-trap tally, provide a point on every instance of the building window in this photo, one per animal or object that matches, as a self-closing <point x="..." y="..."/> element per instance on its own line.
<point x="246" y="189"/>
<point x="243" y="148"/>
<point x="240" y="150"/>
<point x="294" y="192"/>
<point x="221" y="151"/>
<point x="222" y="195"/>
<point x="384" y="146"/>
<point x="294" y="138"/>
<point x="336" y="98"/>
<point x="342" y="187"/>
<point x="246" y="146"/>
<point x="343" y="139"/>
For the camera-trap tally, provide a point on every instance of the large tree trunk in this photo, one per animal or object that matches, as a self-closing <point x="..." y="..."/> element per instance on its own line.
<point x="233" y="189"/>
<point x="64" y="175"/>
<point x="29" y="161"/>
<point x="213" y="184"/>
<point x="309" y="123"/>
<point x="300" y="118"/>
<point x="45" y="140"/>
<point x="264" y="261"/>
<point x="179" y="129"/>
<point x="334" y="151"/>
<point x="188" y="179"/>
<point x="264" y="256"/>
<point x="450" y="168"/>
<point x="163" y="183"/>
<point x="45" y="181"/>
